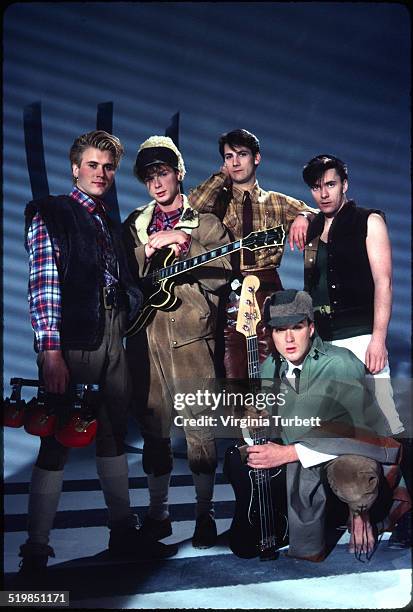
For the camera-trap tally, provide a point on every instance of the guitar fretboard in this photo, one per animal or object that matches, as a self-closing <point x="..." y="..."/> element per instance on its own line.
<point x="262" y="239"/>
<point x="199" y="260"/>
<point x="253" y="357"/>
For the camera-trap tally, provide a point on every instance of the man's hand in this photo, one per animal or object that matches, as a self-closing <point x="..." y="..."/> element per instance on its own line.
<point x="362" y="538"/>
<point x="55" y="372"/>
<point x="172" y="238"/>
<point x="224" y="170"/>
<point x="269" y="455"/>
<point x="298" y="232"/>
<point x="376" y="355"/>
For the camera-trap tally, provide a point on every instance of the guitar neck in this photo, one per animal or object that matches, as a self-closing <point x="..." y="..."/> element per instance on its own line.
<point x="259" y="435"/>
<point x="262" y="239"/>
<point x="199" y="260"/>
<point x="253" y="359"/>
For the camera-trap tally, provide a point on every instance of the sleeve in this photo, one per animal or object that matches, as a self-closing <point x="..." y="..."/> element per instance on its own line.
<point x="291" y="208"/>
<point x="44" y="293"/>
<point x="211" y="195"/>
<point x="357" y="424"/>
<point x="209" y="235"/>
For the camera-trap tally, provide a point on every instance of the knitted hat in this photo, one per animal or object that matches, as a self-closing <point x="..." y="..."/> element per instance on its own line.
<point x="288" y="308"/>
<point x="158" y="150"/>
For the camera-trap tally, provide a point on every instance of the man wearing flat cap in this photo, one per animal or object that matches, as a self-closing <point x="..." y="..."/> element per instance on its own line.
<point x="341" y="448"/>
<point x="177" y="346"/>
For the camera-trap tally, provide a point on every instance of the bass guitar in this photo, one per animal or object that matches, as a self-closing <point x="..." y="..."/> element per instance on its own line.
<point x="260" y="523"/>
<point x="157" y="285"/>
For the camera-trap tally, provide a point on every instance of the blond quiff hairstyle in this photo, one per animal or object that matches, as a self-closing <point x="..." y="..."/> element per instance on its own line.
<point x="98" y="139"/>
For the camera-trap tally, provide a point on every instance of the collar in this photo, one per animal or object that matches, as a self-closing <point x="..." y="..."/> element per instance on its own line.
<point x="291" y="367"/>
<point x="238" y="194"/>
<point x="91" y="204"/>
<point x="188" y="221"/>
<point x="169" y="215"/>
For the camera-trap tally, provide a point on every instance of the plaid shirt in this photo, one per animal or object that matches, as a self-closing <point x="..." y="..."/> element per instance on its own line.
<point x="44" y="294"/>
<point x="162" y="221"/>
<point x="269" y="209"/>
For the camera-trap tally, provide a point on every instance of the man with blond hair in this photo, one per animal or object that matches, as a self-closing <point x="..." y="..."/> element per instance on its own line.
<point x="80" y="294"/>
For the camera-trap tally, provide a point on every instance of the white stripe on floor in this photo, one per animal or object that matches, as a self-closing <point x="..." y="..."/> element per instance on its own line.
<point x="389" y="589"/>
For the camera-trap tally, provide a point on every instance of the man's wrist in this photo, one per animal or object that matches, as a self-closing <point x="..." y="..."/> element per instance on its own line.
<point x="379" y="336"/>
<point x="307" y="215"/>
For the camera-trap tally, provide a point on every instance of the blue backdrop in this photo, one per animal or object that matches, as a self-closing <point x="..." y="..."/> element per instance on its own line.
<point x="307" y="78"/>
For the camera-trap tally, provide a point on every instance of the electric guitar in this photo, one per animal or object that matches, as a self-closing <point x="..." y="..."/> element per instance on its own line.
<point x="260" y="524"/>
<point x="157" y="285"/>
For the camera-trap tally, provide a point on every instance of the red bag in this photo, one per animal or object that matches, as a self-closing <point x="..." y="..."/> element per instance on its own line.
<point x="81" y="428"/>
<point x="39" y="420"/>
<point x="13" y="412"/>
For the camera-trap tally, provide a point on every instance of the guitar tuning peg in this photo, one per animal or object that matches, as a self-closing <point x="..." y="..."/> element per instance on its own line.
<point x="248" y="302"/>
<point x="245" y="327"/>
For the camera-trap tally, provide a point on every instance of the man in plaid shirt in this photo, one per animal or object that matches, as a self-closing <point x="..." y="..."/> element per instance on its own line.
<point x="243" y="206"/>
<point x="80" y="292"/>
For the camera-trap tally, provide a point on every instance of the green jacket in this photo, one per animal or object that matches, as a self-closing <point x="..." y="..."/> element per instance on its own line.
<point x="332" y="388"/>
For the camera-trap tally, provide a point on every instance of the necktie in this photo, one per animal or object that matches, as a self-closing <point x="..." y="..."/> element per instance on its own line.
<point x="297" y="374"/>
<point x="248" y="256"/>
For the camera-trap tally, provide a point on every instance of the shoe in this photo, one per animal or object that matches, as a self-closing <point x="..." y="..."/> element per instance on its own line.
<point x="156" y="529"/>
<point x="131" y="541"/>
<point x="34" y="561"/>
<point x="34" y="566"/>
<point x="205" y="534"/>
<point x="402" y="535"/>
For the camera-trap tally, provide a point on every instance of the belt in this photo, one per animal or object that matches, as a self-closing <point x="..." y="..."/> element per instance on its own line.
<point x="325" y="309"/>
<point x="113" y="297"/>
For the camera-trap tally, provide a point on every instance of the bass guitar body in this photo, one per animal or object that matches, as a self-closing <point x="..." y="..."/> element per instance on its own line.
<point x="260" y="523"/>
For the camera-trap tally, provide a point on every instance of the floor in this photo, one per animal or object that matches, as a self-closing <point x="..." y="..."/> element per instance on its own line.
<point x="212" y="578"/>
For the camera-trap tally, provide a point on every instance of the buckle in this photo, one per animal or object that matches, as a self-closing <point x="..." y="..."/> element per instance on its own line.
<point x="109" y="297"/>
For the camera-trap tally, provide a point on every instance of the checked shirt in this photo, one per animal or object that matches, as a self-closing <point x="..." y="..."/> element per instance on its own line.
<point x="44" y="294"/>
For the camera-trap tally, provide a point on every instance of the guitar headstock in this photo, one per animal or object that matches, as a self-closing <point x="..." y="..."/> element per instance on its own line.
<point x="249" y="314"/>
<point x="274" y="236"/>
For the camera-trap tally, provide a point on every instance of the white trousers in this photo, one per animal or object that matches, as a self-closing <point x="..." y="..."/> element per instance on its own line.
<point x="379" y="384"/>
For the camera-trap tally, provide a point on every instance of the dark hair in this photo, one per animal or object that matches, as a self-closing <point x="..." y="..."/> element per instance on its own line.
<point x="98" y="139"/>
<point x="145" y="173"/>
<point x="316" y="167"/>
<point x="239" y="138"/>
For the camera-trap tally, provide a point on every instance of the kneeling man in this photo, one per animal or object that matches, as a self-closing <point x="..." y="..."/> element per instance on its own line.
<point x="334" y="441"/>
